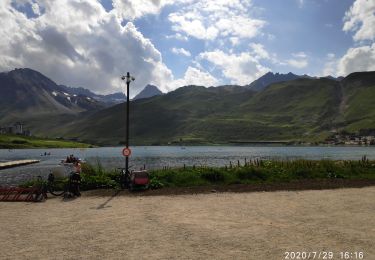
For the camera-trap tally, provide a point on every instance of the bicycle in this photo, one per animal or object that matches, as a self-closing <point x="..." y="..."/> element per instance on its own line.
<point x="56" y="187"/>
<point x="124" y="178"/>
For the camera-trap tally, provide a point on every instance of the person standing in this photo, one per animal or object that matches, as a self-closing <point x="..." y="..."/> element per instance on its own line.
<point x="76" y="179"/>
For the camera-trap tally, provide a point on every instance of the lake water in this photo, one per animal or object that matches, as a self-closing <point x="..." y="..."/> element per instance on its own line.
<point x="173" y="156"/>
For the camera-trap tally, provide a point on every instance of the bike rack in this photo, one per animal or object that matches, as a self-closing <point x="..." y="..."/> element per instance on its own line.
<point x="20" y="194"/>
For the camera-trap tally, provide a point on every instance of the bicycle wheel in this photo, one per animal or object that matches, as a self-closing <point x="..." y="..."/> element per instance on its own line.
<point x="57" y="188"/>
<point x="38" y="196"/>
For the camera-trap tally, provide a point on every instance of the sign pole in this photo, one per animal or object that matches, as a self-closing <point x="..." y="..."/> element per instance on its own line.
<point x="128" y="79"/>
<point x="127" y="121"/>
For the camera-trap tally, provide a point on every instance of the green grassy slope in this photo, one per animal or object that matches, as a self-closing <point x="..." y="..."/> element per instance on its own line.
<point x="16" y="142"/>
<point x="286" y="111"/>
<point x="181" y="114"/>
<point x="295" y="109"/>
<point x="302" y="109"/>
<point x="358" y="109"/>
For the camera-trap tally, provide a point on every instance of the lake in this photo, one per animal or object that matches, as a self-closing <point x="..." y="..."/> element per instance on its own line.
<point x="154" y="157"/>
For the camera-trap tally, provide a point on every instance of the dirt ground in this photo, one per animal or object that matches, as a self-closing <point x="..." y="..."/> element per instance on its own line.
<point x="256" y="225"/>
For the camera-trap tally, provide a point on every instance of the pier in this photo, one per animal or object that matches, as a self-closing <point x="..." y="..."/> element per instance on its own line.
<point x="12" y="164"/>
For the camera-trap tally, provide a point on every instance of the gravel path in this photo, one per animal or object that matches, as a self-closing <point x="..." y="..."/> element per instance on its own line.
<point x="258" y="225"/>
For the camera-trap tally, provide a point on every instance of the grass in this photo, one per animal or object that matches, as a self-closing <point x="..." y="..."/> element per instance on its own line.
<point x="254" y="172"/>
<point x="265" y="172"/>
<point x="19" y="142"/>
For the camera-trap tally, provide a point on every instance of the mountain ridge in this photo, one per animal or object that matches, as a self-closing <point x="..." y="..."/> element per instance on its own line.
<point x="305" y="108"/>
<point x="148" y="91"/>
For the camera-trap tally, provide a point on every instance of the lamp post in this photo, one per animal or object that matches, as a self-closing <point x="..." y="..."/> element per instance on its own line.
<point x="128" y="79"/>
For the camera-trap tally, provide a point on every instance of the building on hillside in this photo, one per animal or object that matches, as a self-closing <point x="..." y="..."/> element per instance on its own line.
<point x="16" y="129"/>
<point x="10" y="130"/>
<point x="26" y="133"/>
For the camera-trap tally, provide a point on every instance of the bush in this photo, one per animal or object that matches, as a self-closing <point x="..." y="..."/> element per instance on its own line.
<point x="155" y="184"/>
<point x="19" y="141"/>
<point x="99" y="181"/>
<point x="97" y="177"/>
<point x="251" y="173"/>
<point x="213" y="175"/>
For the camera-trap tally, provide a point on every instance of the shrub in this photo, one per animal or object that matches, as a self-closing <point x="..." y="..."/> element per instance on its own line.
<point x="213" y="175"/>
<point x="155" y="183"/>
<point x="252" y="173"/>
<point x="19" y="141"/>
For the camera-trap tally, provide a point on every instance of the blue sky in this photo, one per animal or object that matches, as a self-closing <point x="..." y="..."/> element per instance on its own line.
<point x="168" y="43"/>
<point x="314" y="28"/>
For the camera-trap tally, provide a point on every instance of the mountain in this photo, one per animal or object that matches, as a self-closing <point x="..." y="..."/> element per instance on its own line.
<point x="160" y="119"/>
<point x="148" y="91"/>
<point x="307" y="109"/>
<point x="107" y="100"/>
<point x="334" y="78"/>
<point x="358" y="107"/>
<point x="270" y="78"/>
<point x="111" y="99"/>
<point x="25" y="93"/>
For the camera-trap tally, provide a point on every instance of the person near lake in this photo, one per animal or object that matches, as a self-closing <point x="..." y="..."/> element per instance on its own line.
<point x="71" y="159"/>
<point x="75" y="179"/>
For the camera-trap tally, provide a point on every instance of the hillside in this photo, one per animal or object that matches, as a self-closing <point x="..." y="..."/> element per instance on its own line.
<point x="18" y="142"/>
<point x="26" y="94"/>
<point x="303" y="109"/>
<point x="160" y="118"/>
<point x="358" y="106"/>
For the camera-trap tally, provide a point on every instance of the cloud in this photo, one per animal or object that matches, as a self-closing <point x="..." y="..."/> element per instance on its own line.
<point x="300" y="55"/>
<point x="131" y="10"/>
<point x="299" y="64"/>
<point x="177" y="36"/>
<point x="35" y="8"/>
<point x="241" y="68"/>
<point x="360" y="18"/>
<point x="181" y="51"/>
<point x="194" y="76"/>
<point x="331" y="55"/>
<point x="208" y="20"/>
<point x="259" y="51"/>
<point x="357" y="59"/>
<point x="330" y="67"/>
<point x="79" y="44"/>
<point x="299" y="61"/>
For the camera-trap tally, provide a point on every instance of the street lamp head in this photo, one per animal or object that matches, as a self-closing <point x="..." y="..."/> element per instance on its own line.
<point x="128" y="78"/>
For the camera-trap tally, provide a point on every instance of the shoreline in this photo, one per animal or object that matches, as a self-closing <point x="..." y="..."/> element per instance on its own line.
<point x="260" y="144"/>
<point x="300" y="185"/>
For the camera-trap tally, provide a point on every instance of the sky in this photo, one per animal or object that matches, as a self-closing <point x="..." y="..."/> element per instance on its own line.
<point x="172" y="43"/>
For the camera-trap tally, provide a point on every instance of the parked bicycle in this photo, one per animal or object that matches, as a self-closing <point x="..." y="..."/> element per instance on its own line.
<point x="57" y="187"/>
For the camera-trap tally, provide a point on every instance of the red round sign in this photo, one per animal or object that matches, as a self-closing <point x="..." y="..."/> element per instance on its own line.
<point x="126" y="152"/>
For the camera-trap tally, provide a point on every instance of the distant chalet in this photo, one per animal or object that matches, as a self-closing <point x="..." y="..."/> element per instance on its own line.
<point x="16" y="129"/>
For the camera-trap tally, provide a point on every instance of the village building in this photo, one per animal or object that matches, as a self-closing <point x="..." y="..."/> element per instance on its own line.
<point x="15" y="129"/>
